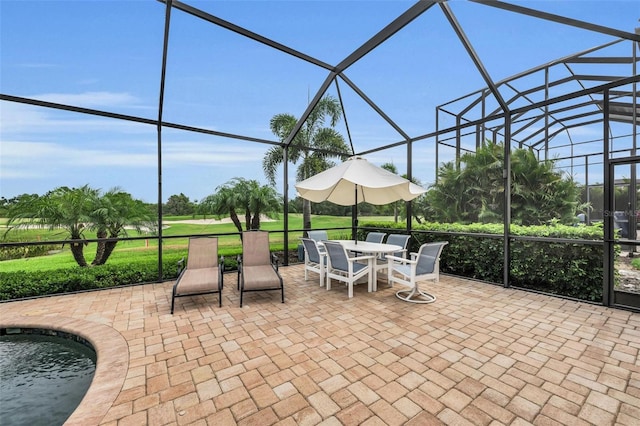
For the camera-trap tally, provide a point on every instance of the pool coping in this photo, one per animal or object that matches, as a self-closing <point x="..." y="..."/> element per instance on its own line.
<point x="112" y="362"/>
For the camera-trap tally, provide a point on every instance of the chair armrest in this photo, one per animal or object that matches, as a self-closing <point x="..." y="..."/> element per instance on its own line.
<point x="221" y="263"/>
<point x="180" y="265"/>
<point x="355" y="259"/>
<point x="274" y="260"/>
<point x="401" y="259"/>
<point x="239" y="261"/>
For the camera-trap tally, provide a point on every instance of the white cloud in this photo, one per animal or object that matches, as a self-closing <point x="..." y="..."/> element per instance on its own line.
<point x="19" y="120"/>
<point x="33" y="159"/>
<point x="39" y="159"/>
<point x="196" y="153"/>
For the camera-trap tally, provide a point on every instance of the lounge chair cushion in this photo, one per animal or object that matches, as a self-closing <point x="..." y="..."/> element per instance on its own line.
<point x="196" y="281"/>
<point x="261" y="276"/>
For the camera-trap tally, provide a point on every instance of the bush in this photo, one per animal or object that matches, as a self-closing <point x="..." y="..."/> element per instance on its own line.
<point x="22" y="252"/>
<point x="24" y="284"/>
<point x="568" y="269"/>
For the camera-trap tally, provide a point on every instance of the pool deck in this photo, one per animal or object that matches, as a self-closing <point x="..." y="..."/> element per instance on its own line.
<point x="479" y="355"/>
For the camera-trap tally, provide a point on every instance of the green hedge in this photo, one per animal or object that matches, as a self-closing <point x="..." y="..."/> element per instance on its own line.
<point x="22" y="252"/>
<point x="573" y="270"/>
<point x="22" y="284"/>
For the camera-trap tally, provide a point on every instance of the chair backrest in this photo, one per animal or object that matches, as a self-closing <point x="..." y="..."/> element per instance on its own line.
<point x="255" y="248"/>
<point x="311" y="249"/>
<point x="428" y="257"/>
<point x="203" y="253"/>
<point x="337" y="255"/>
<point x="399" y="240"/>
<point x="375" y="237"/>
<point x="318" y="235"/>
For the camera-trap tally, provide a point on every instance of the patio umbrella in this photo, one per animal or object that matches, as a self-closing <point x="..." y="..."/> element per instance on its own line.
<point x="356" y="181"/>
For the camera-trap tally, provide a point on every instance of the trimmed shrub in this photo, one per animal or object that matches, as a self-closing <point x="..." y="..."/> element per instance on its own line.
<point x="568" y="269"/>
<point x="22" y="252"/>
<point x="25" y="284"/>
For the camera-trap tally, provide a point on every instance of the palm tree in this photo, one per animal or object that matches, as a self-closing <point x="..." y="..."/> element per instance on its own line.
<point x="113" y="213"/>
<point x="63" y="208"/>
<point x="74" y="210"/>
<point x="247" y="197"/>
<point x="224" y="202"/>
<point x="473" y="189"/>
<point x="263" y="200"/>
<point x="312" y="135"/>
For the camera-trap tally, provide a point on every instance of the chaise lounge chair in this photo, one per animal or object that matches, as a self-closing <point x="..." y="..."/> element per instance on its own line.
<point x="258" y="267"/>
<point x="203" y="272"/>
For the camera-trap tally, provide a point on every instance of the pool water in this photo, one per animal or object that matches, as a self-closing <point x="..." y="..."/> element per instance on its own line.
<point x="43" y="378"/>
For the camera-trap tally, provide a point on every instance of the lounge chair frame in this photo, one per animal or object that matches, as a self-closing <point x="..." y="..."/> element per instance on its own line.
<point x="203" y="272"/>
<point x="257" y="266"/>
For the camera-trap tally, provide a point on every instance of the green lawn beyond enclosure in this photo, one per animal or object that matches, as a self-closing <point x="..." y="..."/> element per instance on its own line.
<point x="128" y="252"/>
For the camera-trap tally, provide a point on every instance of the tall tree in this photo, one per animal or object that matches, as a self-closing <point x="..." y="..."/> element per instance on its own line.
<point x="179" y="205"/>
<point x="313" y="135"/>
<point x="245" y="197"/>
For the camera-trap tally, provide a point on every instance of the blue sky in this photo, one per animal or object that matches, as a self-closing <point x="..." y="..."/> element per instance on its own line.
<point x="106" y="55"/>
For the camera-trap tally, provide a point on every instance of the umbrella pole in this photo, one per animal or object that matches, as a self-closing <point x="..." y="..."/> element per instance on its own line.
<point x="354" y="217"/>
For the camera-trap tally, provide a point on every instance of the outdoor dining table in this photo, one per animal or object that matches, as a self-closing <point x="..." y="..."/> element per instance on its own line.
<point x="369" y="248"/>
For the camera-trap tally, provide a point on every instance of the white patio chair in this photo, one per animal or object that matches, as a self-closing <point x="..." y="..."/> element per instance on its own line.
<point x="315" y="260"/>
<point x="375" y="237"/>
<point x="424" y="265"/>
<point x="372" y="237"/>
<point x="401" y="240"/>
<point x="318" y="237"/>
<point x="347" y="269"/>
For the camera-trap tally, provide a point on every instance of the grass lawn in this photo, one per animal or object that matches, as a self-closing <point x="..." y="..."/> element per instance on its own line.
<point x="138" y="250"/>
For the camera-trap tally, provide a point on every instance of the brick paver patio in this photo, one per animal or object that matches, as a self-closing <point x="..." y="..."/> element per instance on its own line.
<point x="480" y="355"/>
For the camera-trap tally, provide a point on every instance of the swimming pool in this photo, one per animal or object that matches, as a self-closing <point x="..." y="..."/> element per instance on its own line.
<point x="45" y="375"/>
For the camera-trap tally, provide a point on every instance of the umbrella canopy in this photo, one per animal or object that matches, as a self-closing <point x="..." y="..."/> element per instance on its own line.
<point x="356" y="181"/>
